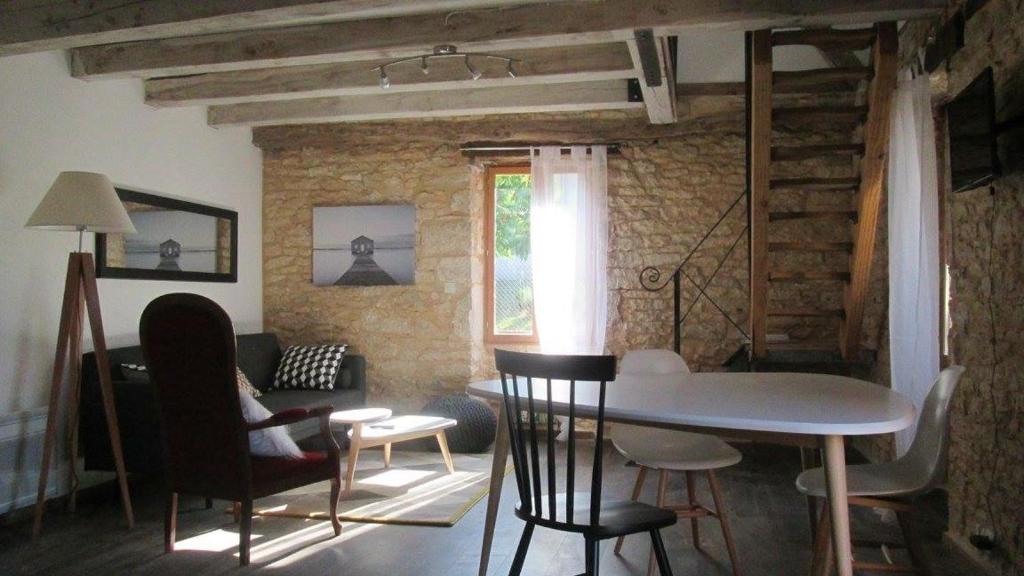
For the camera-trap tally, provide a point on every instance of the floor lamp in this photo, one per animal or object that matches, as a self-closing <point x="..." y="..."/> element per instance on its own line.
<point x="80" y="202"/>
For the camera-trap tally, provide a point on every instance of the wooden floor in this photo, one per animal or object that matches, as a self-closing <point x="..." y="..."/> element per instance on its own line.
<point x="769" y="521"/>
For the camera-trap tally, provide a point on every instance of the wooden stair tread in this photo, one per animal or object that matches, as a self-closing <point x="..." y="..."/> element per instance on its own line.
<point x="820" y="113"/>
<point x="826" y="39"/>
<point x="828" y="183"/>
<point x="786" y="153"/>
<point x="812" y="215"/>
<point x="810" y="246"/>
<point x="808" y="345"/>
<point x="803" y="275"/>
<point x="807" y="312"/>
<point x="821" y="79"/>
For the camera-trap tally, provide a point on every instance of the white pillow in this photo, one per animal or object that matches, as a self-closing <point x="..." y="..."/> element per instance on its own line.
<point x="274" y="442"/>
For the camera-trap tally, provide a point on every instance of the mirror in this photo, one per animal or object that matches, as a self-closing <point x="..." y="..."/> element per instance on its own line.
<point x="174" y="240"/>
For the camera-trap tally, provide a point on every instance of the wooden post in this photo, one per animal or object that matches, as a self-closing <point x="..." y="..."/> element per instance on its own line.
<point x="869" y="196"/>
<point x="760" y="179"/>
<point x="80" y="295"/>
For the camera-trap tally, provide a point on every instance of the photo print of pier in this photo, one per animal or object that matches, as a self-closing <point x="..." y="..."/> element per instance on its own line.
<point x="171" y="240"/>
<point x="364" y="245"/>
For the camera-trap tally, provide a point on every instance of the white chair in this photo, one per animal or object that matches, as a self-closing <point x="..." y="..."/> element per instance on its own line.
<point x="893" y="485"/>
<point x="673" y="451"/>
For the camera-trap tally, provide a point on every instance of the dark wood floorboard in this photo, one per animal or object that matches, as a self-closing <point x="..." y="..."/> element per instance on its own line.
<point x="768" y="519"/>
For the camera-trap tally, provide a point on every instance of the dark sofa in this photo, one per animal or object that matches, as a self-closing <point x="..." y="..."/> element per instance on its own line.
<point x="137" y="415"/>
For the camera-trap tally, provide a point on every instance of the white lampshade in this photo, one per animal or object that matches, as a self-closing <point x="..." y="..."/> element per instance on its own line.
<point x="81" y="201"/>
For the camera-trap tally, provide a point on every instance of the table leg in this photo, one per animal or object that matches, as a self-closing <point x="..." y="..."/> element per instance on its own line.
<point x="497" y="479"/>
<point x="442" y="443"/>
<point x="354" y="445"/>
<point x="387" y="455"/>
<point x="835" y="476"/>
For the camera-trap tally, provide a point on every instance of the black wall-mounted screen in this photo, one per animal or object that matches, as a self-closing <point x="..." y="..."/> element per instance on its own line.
<point x="971" y="118"/>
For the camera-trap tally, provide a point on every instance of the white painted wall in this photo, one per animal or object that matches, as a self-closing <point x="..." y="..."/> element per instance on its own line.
<point x="50" y="122"/>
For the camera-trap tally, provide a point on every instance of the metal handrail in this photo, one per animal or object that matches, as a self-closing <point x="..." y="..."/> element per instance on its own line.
<point x="650" y="278"/>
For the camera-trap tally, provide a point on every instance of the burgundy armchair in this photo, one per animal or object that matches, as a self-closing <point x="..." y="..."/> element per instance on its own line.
<point x="189" y="346"/>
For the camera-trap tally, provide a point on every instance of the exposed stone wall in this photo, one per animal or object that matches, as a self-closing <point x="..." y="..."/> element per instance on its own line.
<point x="666" y="189"/>
<point x="986" y="228"/>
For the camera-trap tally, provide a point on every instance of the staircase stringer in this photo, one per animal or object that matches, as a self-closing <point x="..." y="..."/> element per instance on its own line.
<point x="869" y="195"/>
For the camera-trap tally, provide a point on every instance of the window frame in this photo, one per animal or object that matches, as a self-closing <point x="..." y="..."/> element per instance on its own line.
<point x="489" y="336"/>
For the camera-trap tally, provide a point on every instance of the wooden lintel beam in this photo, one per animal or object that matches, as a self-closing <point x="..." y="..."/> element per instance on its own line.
<point x="582" y="96"/>
<point x="534" y="26"/>
<point x="653" y="64"/>
<point x="61" y="25"/>
<point x="870" y="196"/>
<point x="539" y="66"/>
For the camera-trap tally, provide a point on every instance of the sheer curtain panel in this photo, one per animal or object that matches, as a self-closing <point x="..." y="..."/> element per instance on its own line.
<point x="569" y="248"/>
<point x="913" y="246"/>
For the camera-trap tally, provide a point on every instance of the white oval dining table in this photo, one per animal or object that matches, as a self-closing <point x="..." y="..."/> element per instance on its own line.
<point x="801" y="409"/>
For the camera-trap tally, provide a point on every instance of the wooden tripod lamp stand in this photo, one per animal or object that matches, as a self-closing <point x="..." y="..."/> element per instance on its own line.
<point x="80" y="202"/>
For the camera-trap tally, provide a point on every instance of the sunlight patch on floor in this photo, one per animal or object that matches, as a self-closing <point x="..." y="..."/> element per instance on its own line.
<point x="213" y="541"/>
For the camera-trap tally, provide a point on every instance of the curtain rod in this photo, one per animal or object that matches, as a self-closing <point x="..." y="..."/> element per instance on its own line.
<point x="516" y="148"/>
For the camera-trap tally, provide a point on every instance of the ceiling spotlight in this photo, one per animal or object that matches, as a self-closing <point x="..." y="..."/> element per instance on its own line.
<point x="423" y="66"/>
<point x="385" y="82"/>
<point x="510" y="70"/>
<point x="472" y="71"/>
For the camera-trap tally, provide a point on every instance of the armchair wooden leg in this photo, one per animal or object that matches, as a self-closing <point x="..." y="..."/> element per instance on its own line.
<point x="170" y="521"/>
<point x="659" y="553"/>
<point x="691" y="496"/>
<point x="209" y="503"/>
<point x="442" y="442"/>
<point x="723" y="519"/>
<point x="637" y="489"/>
<point x="244" y="533"/>
<point x="236" y="511"/>
<point x="335" y="496"/>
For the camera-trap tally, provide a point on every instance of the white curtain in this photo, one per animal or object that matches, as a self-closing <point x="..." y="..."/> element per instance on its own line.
<point x="569" y="248"/>
<point x="913" y="246"/>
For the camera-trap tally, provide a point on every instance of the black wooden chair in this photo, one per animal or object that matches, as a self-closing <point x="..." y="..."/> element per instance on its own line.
<point x="595" y="519"/>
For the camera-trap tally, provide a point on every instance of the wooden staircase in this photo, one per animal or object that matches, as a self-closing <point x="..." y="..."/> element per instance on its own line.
<point x="821" y="246"/>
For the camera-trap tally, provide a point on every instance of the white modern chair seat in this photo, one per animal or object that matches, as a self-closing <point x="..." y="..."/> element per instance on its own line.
<point x="673" y="450"/>
<point x="888" y="479"/>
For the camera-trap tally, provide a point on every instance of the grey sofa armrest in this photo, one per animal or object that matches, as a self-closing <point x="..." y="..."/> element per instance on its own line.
<point x="356" y="365"/>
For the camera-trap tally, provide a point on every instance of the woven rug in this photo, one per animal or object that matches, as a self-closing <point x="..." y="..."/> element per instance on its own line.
<point x="416" y="490"/>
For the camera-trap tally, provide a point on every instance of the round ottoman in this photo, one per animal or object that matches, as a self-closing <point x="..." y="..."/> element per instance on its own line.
<point x="477" y="422"/>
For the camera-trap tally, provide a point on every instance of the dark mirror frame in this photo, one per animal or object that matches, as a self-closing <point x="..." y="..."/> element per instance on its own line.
<point x="105" y="271"/>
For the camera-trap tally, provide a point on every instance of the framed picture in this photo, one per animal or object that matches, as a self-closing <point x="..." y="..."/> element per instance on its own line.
<point x="174" y="240"/>
<point x="364" y="245"/>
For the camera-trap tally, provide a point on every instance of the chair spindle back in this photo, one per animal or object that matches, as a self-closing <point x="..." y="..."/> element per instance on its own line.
<point x="519" y="371"/>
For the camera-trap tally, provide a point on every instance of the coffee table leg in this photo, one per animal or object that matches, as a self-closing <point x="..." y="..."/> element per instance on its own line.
<point x="387" y="455"/>
<point x="442" y="442"/>
<point x="497" y="479"/>
<point x="835" y="476"/>
<point x="353" y="456"/>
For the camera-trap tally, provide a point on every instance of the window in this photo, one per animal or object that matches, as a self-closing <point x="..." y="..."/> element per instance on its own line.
<point x="508" y="306"/>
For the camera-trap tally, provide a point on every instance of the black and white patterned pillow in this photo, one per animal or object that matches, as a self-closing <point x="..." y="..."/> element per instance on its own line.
<point x="309" y="367"/>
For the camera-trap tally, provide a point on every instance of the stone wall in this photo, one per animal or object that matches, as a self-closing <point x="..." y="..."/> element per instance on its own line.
<point x="986" y="233"/>
<point x="667" y="188"/>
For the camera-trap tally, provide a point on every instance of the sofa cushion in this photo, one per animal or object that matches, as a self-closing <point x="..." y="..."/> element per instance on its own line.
<point x="309" y="367"/>
<point x="278" y="400"/>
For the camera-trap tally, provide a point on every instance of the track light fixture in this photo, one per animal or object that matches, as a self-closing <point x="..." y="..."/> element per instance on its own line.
<point x="447" y="51"/>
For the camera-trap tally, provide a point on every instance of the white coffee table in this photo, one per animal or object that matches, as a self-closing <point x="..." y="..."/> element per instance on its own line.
<point x="373" y="427"/>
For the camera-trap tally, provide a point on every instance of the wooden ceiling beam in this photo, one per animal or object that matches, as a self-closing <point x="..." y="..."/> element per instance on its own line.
<point x="516" y="27"/>
<point x="36" y="26"/>
<point x="543" y="66"/>
<point x="653" y="63"/>
<point x="581" y="96"/>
